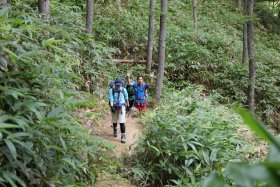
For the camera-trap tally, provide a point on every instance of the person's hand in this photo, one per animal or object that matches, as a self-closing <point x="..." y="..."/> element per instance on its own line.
<point x="113" y="109"/>
<point x="127" y="108"/>
<point x="152" y="75"/>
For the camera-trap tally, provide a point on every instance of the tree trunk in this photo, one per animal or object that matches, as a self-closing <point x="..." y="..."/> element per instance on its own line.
<point x="159" y="83"/>
<point x="3" y="3"/>
<point x="278" y="18"/>
<point x="44" y="7"/>
<point x="245" y="44"/>
<point x="251" y="55"/>
<point x="245" y="40"/>
<point x="194" y="14"/>
<point x="118" y="2"/>
<point x="89" y="21"/>
<point x="239" y="5"/>
<point x="150" y="36"/>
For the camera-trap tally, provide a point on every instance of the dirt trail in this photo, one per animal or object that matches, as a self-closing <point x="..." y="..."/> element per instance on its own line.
<point x="105" y="130"/>
<point x="133" y="129"/>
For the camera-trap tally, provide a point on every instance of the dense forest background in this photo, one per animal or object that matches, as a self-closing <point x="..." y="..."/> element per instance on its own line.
<point x="56" y="61"/>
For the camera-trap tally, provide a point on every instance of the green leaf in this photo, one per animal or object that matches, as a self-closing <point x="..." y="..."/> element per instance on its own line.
<point x="214" y="180"/>
<point x="13" y="56"/>
<point x="51" y="42"/>
<point x="239" y="172"/>
<point x="63" y="143"/>
<point x="213" y="155"/>
<point x="274" y="154"/>
<point x="3" y="11"/>
<point x="11" y="91"/>
<point x="156" y="149"/>
<point x="3" y="64"/>
<point x="7" y="126"/>
<point x="259" y="128"/>
<point x="7" y="176"/>
<point x="56" y="111"/>
<point x="16" y="178"/>
<point x="272" y="165"/>
<point x="18" y="135"/>
<point x="206" y="157"/>
<point x="12" y="148"/>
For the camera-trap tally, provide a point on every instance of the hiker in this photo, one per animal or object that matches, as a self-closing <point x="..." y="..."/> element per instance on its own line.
<point x="140" y="91"/>
<point x="131" y="94"/>
<point x="118" y="98"/>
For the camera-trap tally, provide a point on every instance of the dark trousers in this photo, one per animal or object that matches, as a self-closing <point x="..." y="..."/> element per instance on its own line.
<point x="131" y="103"/>
<point x="122" y="127"/>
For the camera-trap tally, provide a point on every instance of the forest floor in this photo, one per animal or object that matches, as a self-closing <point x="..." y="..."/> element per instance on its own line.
<point x="105" y="130"/>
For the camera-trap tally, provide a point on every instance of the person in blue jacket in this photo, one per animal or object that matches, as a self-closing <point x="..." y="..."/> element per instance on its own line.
<point x="119" y="103"/>
<point x="140" y="91"/>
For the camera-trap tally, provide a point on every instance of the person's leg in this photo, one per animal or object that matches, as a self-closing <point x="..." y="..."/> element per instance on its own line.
<point x="144" y="106"/>
<point x="138" y="106"/>
<point x="115" y="126"/>
<point x="122" y="124"/>
<point x="131" y="103"/>
<point x="122" y="128"/>
<point x="115" y="123"/>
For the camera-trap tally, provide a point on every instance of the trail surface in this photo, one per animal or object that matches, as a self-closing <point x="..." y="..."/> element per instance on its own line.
<point x="105" y="130"/>
<point x="133" y="129"/>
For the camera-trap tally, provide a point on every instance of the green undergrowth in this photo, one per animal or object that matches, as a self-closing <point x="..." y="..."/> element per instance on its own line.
<point x="186" y="138"/>
<point x="45" y="69"/>
<point x="211" y="56"/>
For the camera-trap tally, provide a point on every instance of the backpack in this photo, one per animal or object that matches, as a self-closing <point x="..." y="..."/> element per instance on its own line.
<point x="112" y="84"/>
<point x="139" y="93"/>
<point x="114" y="91"/>
<point x="118" y="105"/>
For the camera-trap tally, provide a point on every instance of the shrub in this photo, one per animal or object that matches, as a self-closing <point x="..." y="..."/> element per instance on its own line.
<point x="187" y="137"/>
<point x="43" y="70"/>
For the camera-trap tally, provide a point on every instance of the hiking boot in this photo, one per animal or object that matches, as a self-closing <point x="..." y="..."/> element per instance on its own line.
<point x="123" y="139"/>
<point x="115" y="132"/>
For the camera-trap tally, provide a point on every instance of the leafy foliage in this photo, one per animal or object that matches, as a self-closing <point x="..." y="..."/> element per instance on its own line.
<point x="44" y="68"/>
<point x="187" y="137"/>
<point x="211" y="56"/>
<point x="265" y="173"/>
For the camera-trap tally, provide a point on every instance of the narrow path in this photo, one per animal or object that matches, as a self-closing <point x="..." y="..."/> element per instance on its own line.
<point x="105" y="130"/>
<point x="133" y="129"/>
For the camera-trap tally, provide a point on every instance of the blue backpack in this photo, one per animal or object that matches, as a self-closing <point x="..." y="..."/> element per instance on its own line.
<point x="140" y="94"/>
<point x="112" y="86"/>
<point x="118" y="105"/>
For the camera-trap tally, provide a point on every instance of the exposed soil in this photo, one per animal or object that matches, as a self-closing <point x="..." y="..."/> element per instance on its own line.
<point x="105" y="130"/>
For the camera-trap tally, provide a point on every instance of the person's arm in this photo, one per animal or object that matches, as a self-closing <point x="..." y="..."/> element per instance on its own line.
<point x="151" y="79"/>
<point x="129" y="82"/>
<point x="126" y="97"/>
<point x="111" y="97"/>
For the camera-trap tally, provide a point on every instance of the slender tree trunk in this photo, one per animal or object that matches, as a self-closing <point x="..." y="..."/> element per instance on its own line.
<point x="194" y="14"/>
<point x="44" y="7"/>
<point x="118" y="2"/>
<point x="3" y="3"/>
<point x="159" y="82"/>
<point x="90" y="7"/>
<point x="245" y="44"/>
<point x="239" y="5"/>
<point x="278" y="18"/>
<point x="245" y="41"/>
<point x="150" y="37"/>
<point x="251" y="54"/>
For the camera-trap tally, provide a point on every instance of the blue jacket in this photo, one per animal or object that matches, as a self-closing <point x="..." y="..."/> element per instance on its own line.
<point x="119" y="96"/>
